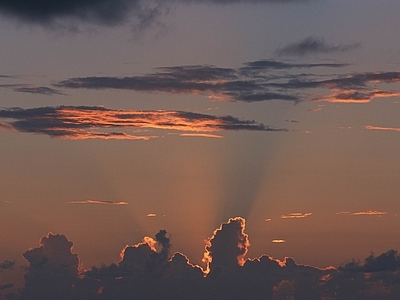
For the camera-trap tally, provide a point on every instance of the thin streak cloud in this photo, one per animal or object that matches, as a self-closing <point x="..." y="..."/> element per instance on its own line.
<point x="364" y="213"/>
<point x="381" y="128"/>
<point x="82" y="122"/>
<point x="102" y="202"/>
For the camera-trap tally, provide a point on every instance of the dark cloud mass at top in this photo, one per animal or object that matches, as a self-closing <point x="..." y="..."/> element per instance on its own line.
<point x="149" y="271"/>
<point x="45" y="11"/>
<point x="104" y="12"/>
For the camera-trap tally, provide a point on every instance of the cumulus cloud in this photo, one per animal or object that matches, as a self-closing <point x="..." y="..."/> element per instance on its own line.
<point x="83" y="122"/>
<point x="296" y="215"/>
<point x="103" y="202"/>
<point x="53" y="269"/>
<point x="314" y="45"/>
<point x="149" y="271"/>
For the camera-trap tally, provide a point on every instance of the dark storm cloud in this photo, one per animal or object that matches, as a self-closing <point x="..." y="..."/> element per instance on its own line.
<point x="82" y="122"/>
<point x="314" y="45"/>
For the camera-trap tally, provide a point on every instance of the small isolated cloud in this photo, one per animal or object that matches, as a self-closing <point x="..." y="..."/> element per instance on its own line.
<point x="103" y="202"/>
<point x="7" y="264"/>
<point x="381" y="128"/>
<point x="314" y="45"/>
<point x="296" y="215"/>
<point x="151" y="215"/>
<point x="364" y="213"/>
<point x="268" y="220"/>
<point x="278" y="241"/>
<point x="84" y="122"/>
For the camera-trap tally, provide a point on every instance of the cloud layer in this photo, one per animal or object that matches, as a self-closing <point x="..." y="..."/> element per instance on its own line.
<point x="83" y="122"/>
<point x="261" y="80"/>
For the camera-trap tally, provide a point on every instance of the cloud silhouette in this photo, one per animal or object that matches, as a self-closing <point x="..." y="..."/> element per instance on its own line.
<point x="82" y="122"/>
<point x="149" y="271"/>
<point x="314" y="45"/>
<point x="53" y="269"/>
<point x="228" y="245"/>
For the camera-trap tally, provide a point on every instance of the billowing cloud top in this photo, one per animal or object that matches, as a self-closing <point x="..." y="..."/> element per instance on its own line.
<point x="81" y="122"/>
<point x="147" y="270"/>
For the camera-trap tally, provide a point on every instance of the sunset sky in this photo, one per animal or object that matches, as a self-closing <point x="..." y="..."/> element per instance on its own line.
<point x="116" y="123"/>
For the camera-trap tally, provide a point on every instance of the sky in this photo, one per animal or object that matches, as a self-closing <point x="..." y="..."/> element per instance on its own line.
<point x="119" y="119"/>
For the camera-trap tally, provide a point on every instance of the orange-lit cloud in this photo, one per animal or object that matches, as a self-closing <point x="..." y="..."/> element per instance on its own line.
<point x="364" y="213"/>
<point x="151" y="215"/>
<point x="296" y="215"/>
<point x="278" y="241"/>
<point x="103" y="202"/>
<point x="356" y="96"/>
<point x="83" y="122"/>
<point x="268" y="220"/>
<point x="369" y="127"/>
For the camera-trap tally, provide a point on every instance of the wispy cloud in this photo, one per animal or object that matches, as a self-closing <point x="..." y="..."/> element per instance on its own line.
<point x="369" y="127"/>
<point x="296" y="215"/>
<point x="151" y="215"/>
<point x="42" y="90"/>
<point x="314" y="45"/>
<point x="102" y="202"/>
<point x="83" y="122"/>
<point x="364" y="213"/>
